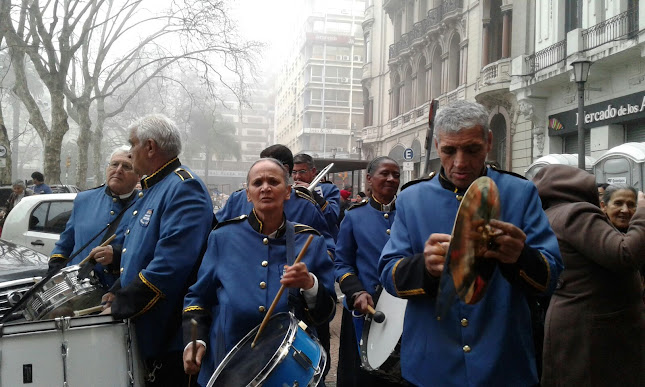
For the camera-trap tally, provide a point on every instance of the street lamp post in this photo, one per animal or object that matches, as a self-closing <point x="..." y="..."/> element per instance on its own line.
<point x="581" y="72"/>
<point x="359" y="148"/>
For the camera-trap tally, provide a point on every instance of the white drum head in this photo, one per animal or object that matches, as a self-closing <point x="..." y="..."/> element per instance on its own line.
<point x="380" y="339"/>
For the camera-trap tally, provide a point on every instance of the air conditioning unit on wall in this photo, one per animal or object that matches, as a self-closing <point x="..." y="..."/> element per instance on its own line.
<point x="344" y="80"/>
<point x="345" y="57"/>
<point x="339" y="57"/>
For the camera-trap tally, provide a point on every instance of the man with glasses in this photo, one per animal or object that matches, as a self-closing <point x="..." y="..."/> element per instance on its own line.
<point x="93" y="210"/>
<point x="325" y="193"/>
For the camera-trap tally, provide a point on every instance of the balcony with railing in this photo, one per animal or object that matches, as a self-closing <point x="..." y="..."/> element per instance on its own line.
<point x="408" y="120"/>
<point x="495" y="76"/>
<point x="547" y="57"/>
<point x="622" y="25"/>
<point x="447" y="10"/>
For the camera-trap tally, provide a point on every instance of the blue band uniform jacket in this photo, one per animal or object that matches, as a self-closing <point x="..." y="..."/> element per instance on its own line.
<point x="328" y="197"/>
<point x="239" y="278"/>
<point x="93" y="210"/>
<point x="167" y="231"/>
<point x="364" y="232"/>
<point x="489" y="343"/>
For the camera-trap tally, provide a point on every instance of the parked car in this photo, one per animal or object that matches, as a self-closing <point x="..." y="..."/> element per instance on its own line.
<point x="20" y="268"/>
<point x="64" y="188"/>
<point x="38" y="220"/>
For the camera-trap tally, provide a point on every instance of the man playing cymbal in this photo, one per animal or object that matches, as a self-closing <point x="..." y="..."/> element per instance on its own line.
<point x="488" y="343"/>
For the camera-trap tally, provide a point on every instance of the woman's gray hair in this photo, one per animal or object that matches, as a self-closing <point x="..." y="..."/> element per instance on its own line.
<point x="160" y="129"/>
<point x="376" y="162"/>
<point x="285" y="173"/>
<point x="19" y="183"/>
<point x="613" y="188"/>
<point x="121" y="149"/>
<point x="459" y="115"/>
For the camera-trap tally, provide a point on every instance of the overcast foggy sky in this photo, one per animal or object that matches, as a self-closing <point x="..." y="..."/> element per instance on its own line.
<point x="271" y="21"/>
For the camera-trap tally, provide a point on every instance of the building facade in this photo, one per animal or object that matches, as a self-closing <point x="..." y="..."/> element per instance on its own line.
<point x="319" y="100"/>
<point x="513" y="57"/>
<point x="608" y="34"/>
<point x="253" y="123"/>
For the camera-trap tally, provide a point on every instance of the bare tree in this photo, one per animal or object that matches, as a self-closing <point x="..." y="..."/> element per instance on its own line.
<point x="49" y="35"/>
<point x="58" y="34"/>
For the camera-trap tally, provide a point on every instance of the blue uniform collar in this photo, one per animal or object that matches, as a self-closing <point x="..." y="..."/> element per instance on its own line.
<point x="257" y="225"/>
<point x="160" y="173"/>
<point x="447" y="184"/>
<point x="383" y="207"/>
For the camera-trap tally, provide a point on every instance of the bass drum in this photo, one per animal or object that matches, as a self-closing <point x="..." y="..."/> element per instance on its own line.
<point x="380" y="342"/>
<point x="93" y="351"/>
<point x="63" y="294"/>
<point x="284" y="355"/>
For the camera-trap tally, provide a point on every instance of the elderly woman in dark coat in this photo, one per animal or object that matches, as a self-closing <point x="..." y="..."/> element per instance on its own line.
<point x="595" y="324"/>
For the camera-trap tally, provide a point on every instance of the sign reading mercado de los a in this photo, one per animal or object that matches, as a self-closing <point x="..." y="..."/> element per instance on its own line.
<point x="618" y="110"/>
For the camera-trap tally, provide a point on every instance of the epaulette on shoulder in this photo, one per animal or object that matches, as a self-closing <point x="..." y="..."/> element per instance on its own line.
<point x="230" y="221"/>
<point x="303" y="193"/>
<point x="507" y="172"/>
<point x="413" y="182"/>
<point x="359" y="204"/>
<point x="325" y="182"/>
<point x="300" y="228"/>
<point x="183" y="174"/>
<point x="241" y="189"/>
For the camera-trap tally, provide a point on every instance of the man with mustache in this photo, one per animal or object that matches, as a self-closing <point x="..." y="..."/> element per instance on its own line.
<point x="490" y="342"/>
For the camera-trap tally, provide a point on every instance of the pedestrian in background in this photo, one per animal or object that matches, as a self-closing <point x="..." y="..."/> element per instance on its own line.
<point x="39" y="184"/>
<point x="595" y="323"/>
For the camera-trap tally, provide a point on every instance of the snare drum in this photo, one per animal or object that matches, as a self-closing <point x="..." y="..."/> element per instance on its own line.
<point x="82" y="351"/>
<point x="64" y="290"/>
<point x="284" y="355"/>
<point x="380" y="348"/>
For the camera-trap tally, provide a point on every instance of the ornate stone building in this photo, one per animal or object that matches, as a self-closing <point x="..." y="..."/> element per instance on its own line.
<point x="445" y="50"/>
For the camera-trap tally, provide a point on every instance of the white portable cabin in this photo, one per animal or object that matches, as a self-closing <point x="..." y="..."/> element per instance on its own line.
<point x="624" y="163"/>
<point x="566" y="159"/>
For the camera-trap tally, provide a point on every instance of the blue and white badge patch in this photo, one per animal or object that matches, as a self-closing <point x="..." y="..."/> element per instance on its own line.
<point x="318" y="189"/>
<point x="145" y="220"/>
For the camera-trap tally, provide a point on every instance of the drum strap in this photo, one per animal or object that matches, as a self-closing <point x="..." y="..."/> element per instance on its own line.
<point x="294" y="293"/>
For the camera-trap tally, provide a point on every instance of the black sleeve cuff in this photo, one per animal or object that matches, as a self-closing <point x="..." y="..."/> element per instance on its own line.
<point x="134" y="299"/>
<point x="203" y="318"/>
<point x="411" y="278"/>
<point x="319" y="314"/>
<point x="55" y="264"/>
<point x="350" y="285"/>
<point x="531" y="271"/>
<point x="115" y="266"/>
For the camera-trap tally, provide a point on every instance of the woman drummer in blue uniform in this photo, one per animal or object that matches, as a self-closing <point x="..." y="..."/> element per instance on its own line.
<point x="363" y="233"/>
<point x="243" y="267"/>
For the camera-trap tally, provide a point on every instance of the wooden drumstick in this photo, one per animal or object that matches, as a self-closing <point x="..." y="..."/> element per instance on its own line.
<point x="193" y="337"/>
<point x="83" y="312"/>
<point x="277" y="296"/>
<point x="107" y="242"/>
<point x="379" y="316"/>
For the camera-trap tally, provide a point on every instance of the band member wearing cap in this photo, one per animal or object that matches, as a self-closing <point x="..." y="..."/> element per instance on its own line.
<point x="363" y="234"/>
<point x="488" y="343"/>
<point x="242" y="271"/>
<point x="168" y="228"/>
<point x="325" y="193"/>
<point x="595" y="324"/>
<point x="300" y="208"/>
<point x="93" y="210"/>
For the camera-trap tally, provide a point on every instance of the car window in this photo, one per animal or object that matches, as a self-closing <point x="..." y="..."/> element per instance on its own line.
<point x="38" y="217"/>
<point x="51" y="216"/>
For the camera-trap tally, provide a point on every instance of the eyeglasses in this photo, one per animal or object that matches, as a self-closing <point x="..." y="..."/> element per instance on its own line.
<point x="300" y="172"/>
<point x="127" y="167"/>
